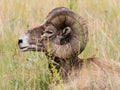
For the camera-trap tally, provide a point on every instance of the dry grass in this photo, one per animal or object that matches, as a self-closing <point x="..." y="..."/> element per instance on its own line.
<point x="28" y="71"/>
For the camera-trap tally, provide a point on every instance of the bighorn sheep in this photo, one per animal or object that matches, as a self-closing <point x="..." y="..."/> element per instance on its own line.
<point x="62" y="37"/>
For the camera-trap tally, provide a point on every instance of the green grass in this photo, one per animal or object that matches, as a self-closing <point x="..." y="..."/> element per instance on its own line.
<point x="28" y="71"/>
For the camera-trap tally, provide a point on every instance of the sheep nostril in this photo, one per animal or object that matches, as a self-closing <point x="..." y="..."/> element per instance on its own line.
<point x="20" y="41"/>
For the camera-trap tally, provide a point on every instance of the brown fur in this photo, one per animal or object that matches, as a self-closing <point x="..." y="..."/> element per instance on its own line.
<point x="77" y="74"/>
<point x="91" y="74"/>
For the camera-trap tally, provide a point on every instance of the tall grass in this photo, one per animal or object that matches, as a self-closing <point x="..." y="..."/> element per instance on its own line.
<point x="28" y="71"/>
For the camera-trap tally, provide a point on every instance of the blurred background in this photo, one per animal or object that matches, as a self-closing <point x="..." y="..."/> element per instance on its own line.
<point x="28" y="70"/>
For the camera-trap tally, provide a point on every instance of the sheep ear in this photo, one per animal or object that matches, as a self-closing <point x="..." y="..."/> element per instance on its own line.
<point x="66" y="31"/>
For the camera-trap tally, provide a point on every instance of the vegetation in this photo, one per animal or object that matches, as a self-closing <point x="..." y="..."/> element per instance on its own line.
<point x="28" y="70"/>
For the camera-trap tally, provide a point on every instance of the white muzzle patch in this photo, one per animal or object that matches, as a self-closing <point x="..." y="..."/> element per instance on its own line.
<point x="23" y="43"/>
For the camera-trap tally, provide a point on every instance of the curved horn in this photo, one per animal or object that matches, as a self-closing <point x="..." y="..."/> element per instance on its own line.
<point x="62" y="17"/>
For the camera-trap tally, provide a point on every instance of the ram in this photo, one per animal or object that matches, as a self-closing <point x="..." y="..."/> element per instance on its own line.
<point x="62" y="37"/>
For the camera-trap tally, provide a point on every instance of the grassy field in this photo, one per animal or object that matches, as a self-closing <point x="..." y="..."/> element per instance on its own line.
<point x="28" y="71"/>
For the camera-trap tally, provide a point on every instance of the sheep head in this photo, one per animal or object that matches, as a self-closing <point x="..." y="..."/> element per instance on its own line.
<point x="63" y="34"/>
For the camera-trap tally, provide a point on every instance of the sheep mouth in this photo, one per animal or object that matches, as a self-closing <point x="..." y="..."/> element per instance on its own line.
<point x="32" y="48"/>
<point x="23" y="48"/>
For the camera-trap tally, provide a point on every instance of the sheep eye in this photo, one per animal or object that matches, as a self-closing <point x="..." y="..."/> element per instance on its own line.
<point x="48" y="32"/>
<point x="29" y="31"/>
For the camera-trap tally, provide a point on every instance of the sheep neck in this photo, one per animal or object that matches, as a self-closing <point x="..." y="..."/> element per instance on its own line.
<point x="65" y="66"/>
